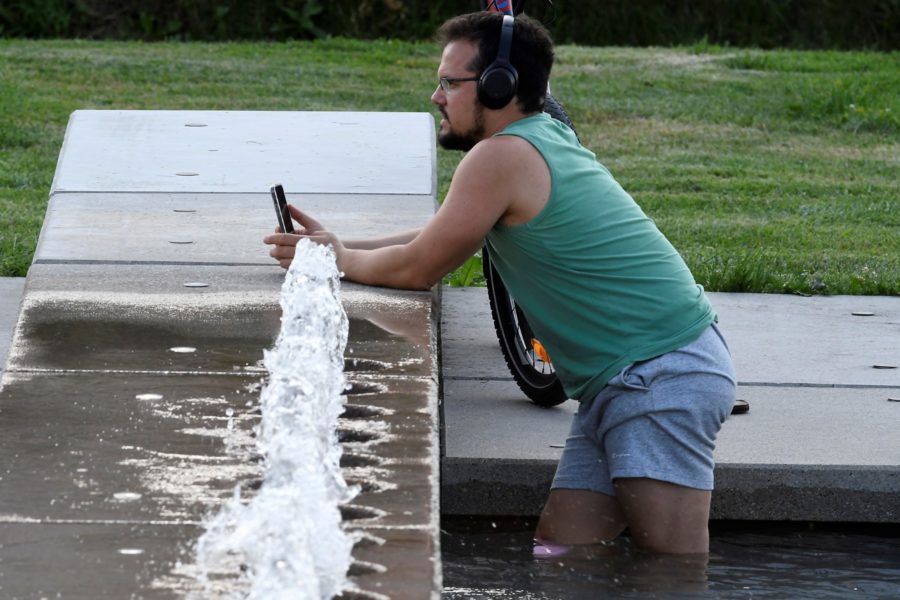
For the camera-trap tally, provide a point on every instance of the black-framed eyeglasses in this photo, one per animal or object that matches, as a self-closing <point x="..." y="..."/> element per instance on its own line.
<point x="446" y="82"/>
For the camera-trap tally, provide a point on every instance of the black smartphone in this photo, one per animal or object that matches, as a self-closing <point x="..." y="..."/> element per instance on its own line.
<point x="281" y="210"/>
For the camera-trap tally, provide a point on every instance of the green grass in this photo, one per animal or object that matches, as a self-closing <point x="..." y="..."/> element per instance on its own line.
<point x="771" y="171"/>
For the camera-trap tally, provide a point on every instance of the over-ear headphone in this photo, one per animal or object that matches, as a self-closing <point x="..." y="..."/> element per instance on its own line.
<point x="498" y="83"/>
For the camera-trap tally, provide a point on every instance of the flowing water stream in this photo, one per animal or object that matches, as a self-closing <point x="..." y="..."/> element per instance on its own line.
<point x="286" y="539"/>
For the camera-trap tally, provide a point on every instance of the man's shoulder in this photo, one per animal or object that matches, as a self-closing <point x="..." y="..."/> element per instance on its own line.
<point x="503" y="149"/>
<point x="499" y="155"/>
<point x="527" y="122"/>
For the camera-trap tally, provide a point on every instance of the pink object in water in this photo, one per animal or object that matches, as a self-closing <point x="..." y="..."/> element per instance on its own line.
<point x="546" y="550"/>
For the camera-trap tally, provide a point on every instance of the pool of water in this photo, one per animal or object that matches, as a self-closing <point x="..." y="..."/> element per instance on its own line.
<point x="492" y="559"/>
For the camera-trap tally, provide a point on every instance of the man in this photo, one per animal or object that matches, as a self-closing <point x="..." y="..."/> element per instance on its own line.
<point x="631" y="335"/>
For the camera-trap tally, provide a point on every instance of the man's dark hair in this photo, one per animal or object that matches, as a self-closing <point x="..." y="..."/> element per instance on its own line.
<point x="531" y="53"/>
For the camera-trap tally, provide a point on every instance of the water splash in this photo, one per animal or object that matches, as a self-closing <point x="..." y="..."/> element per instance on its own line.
<point x="287" y="539"/>
<point x="126" y="496"/>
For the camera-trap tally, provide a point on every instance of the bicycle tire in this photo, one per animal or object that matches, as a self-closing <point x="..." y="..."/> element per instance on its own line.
<point x="553" y="108"/>
<point x="539" y="384"/>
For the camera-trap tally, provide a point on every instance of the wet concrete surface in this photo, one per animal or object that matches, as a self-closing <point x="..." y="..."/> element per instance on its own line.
<point x="124" y="447"/>
<point x="114" y="439"/>
<point x="127" y="409"/>
<point x="90" y="560"/>
<point x="130" y="317"/>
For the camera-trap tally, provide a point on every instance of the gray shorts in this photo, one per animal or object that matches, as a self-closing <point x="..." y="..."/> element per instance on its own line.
<point x="656" y="419"/>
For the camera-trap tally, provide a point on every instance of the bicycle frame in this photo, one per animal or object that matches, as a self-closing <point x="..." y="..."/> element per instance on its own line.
<point x="503" y="6"/>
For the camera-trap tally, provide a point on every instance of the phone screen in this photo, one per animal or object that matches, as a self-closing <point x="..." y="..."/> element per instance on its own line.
<point x="281" y="211"/>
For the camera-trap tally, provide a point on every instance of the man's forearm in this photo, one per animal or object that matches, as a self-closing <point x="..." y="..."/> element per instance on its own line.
<point x="389" y="266"/>
<point x="396" y="239"/>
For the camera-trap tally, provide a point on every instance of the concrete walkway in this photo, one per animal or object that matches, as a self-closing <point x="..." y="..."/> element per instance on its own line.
<point x="820" y="442"/>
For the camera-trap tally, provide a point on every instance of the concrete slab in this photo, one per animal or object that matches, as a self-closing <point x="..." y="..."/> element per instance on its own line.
<point x="794" y="340"/>
<point x="11" y="289"/>
<point x="812" y="447"/>
<point x="803" y="426"/>
<point x="128" y="318"/>
<point x="124" y="447"/>
<point x="87" y="561"/>
<point x="139" y="442"/>
<point x="119" y="442"/>
<point x="526" y="432"/>
<point x="408" y="554"/>
<point x="50" y="560"/>
<point x="779" y="415"/>
<point x="775" y="339"/>
<point x="469" y="347"/>
<point x="205" y="228"/>
<point x="246" y="151"/>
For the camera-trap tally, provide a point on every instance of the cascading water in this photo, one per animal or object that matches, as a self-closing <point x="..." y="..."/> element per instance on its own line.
<point x="287" y="540"/>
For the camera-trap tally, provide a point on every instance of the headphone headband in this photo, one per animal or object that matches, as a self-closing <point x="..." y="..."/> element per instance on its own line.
<point x="506" y="33"/>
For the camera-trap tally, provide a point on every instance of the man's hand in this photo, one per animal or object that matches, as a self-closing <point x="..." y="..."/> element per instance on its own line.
<point x="284" y="245"/>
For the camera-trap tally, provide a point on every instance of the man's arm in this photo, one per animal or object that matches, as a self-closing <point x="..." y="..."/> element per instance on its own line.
<point x="495" y="179"/>
<point x="403" y="237"/>
<point x="500" y="177"/>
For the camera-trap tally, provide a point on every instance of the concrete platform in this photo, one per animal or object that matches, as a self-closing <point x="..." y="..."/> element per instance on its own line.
<point x="820" y="442"/>
<point x="127" y="408"/>
<point x="246" y="151"/>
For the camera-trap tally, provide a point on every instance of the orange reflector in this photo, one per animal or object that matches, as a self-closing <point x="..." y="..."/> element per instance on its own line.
<point x="540" y="351"/>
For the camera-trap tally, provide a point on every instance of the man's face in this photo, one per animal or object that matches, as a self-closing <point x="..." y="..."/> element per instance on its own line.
<point x="463" y="124"/>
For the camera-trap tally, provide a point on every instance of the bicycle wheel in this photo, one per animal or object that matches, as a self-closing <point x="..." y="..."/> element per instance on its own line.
<point x="553" y="108"/>
<point x="534" y="375"/>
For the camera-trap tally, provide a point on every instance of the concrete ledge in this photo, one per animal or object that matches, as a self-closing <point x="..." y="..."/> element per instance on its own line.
<point x="246" y="151"/>
<point x="743" y="492"/>
<point x="510" y="487"/>
<point x="204" y="228"/>
<point x="92" y="340"/>
<point x="830" y="493"/>
<point x="11" y="289"/>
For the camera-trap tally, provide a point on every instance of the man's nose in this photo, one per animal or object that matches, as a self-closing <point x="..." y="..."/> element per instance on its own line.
<point x="438" y="96"/>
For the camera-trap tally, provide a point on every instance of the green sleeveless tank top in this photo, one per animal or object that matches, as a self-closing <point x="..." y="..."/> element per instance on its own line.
<point x="599" y="283"/>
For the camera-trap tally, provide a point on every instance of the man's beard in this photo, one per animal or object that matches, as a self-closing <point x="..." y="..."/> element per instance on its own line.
<point x="452" y="140"/>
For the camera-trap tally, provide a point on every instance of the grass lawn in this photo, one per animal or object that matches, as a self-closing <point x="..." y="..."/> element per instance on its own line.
<point x="771" y="171"/>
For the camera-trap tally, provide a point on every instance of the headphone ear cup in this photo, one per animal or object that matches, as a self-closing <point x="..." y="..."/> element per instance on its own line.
<point x="497" y="86"/>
